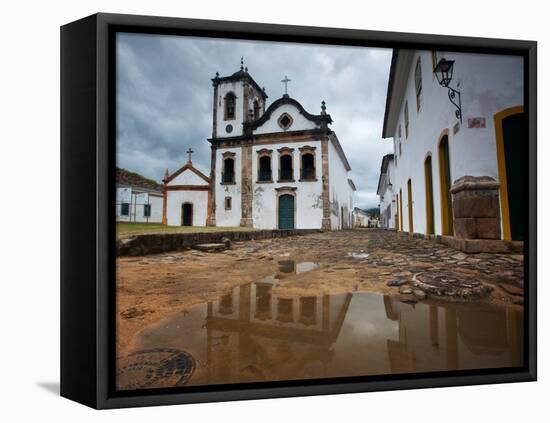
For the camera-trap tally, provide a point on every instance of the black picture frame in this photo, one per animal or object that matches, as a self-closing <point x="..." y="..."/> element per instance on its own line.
<point x="87" y="219"/>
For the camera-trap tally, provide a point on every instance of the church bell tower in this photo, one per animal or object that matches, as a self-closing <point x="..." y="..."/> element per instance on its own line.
<point x="237" y="99"/>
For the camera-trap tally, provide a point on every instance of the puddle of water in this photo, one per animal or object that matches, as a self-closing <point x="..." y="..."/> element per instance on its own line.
<point x="358" y="255"/>
<point x="251" y="334"/>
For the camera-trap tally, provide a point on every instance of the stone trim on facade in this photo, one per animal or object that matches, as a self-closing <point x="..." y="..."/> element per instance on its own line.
<point x="326" y="222"/>
<point x="211" y="217"/>
<point x="188" y="188"/>
<point x="246" y="186"/>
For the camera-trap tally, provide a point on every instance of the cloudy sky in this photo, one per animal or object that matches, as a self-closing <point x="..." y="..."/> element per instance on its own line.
<point x="164" y="98"/>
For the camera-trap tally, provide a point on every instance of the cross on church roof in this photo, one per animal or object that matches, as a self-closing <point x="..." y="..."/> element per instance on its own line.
<point x="189" y="152"/>
<point x="286" y="81"/>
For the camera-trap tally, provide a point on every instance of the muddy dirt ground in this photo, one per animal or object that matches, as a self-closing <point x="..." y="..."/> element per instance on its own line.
<point x="152" y="287"/>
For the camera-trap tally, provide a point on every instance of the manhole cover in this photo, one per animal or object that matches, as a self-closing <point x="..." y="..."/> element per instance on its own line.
<point x="156" y="368"/>
<point x="451" y="284"/>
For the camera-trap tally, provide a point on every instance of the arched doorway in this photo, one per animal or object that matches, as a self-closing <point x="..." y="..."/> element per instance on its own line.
<point x="429" y="196"/>
<point x="286" y="211"/>
<point x="445" y="186"/>
<point x="187" y="214"/>
<point x="410" y="205"/>
<point x="511" y="139"/>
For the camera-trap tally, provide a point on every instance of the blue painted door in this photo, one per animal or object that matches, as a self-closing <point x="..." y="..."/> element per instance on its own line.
<point x="286" y="212"/>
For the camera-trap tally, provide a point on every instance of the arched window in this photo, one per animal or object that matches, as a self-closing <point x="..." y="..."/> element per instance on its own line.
<point x="228" y="173"/>
<point x="307" y="168"/>
<point x="265" y="168"/>
<point x="418" y="84"/>
<point x="230" y="101"/>
<point x="256" y="109"/>
<point x="285" y="164"/>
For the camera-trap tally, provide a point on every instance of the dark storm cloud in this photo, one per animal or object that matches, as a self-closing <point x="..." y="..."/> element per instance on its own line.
<point x="164" y="98"/>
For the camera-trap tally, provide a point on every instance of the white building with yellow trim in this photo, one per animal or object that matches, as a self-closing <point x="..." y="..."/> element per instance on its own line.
<point x="458" y="160"/>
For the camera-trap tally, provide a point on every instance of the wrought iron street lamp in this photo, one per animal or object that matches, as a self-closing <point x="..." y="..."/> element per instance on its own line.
<point x="444" y="74"/>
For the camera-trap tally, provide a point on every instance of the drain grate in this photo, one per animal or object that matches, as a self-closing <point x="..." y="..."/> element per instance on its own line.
<point x="155" y="368"/>
<point x="451" y="284"/>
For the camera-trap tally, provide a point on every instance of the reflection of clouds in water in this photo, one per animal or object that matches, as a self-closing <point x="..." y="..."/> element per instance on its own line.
<point x="366" y="317"/>
<point x="251" y="334"/>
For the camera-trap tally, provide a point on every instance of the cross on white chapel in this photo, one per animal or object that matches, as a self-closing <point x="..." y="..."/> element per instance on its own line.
<point x="189" y="152"/>
<point x="286" y="81"/>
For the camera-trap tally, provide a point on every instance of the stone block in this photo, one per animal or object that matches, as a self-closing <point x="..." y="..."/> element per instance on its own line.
<point x="476" y="208"/>
<point x="488" y="227"/>
<point x="476" y="204"/>
<point x="465" y="228"/>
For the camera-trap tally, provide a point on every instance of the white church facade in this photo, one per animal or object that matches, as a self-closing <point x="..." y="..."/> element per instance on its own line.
<point x="276" y="167"/>
<point x="459" y="144"/>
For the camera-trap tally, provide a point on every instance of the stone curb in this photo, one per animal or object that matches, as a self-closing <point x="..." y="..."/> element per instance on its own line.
<point x="146" y="244"/>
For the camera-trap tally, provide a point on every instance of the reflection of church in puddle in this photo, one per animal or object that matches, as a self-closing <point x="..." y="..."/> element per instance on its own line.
<point x="453" y="337"/>
<point x="290" y="337"/>
<point x="254" y="334"/>
<point x="267" y="337"/>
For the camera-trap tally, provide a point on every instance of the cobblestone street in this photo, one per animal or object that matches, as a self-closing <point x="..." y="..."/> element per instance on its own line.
<point x="369" y="260"/>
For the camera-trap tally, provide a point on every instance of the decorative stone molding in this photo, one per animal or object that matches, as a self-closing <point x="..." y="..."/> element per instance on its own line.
<point x="326" y="223"/>
<point x="211" y="212"/>
<point x="285" y="150"/>
<point x="474" y="183"/>
<point x="228" y="154"/>
<point x="246" y="186"/>
<point x="264" y="152"/>
<point x="476" y="208"/>
<point x="285" y="121"/>
<point x="286" y="190"/>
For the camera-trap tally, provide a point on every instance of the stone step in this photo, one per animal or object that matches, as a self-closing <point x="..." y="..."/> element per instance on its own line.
<point x="213" y="247"/>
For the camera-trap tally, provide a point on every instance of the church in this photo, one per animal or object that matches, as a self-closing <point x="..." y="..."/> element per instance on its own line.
<point x="272" y="167"/>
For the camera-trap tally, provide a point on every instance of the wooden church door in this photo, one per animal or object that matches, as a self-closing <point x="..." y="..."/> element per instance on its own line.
<point x="286" y="211"/>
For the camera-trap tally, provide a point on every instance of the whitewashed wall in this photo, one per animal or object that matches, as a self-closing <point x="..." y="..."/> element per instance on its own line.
<point x="223" y="89"/>
<point x="228" y="217"/>
<point x="299" y="122"/>
<point x="388" y="197"/>
<point x="339" y="190"/>
<point x="488" y="85"/>
<point x="308" y="200"/>
<point x="136" y="201"/>
<point x="123" y="195"/>
<point x="176" y="199"/>
<point x="187" y="177"/>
